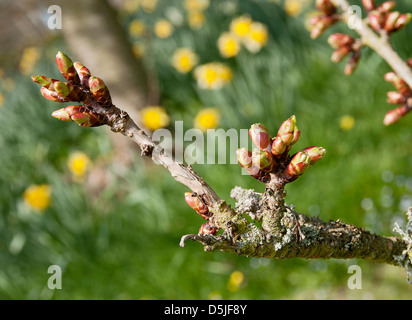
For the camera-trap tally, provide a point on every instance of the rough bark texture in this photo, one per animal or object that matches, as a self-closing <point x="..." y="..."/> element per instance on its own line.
<point x="288" y="234"/>
<point x="316" y="240"/>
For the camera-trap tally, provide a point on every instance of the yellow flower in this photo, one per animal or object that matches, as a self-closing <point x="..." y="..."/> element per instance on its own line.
<point x="225" y="73"/>
<point x="293" y="7"/>
<point x="346" y="123"/>
<point x="1" y="99"/>
<point x="256" y="38"/>
<point x="29" y="59"/>
<point x="37" y="196"/>
<point x="207" y="118"/>
<point x="155" y="117"/>
<point x="212" y="75"/>
<point x="148" y="5"/>
<point x="240" y="26"/>
<point x="78" y="164"/>
<point x="228" y="45"/>
<point x="196" y="5"/>
<point x="235" y="280"/>
<point x="196" y="19"/>
<point x="184" y="60"/>
<point x="163" y="29"/>
<point x="136" y="27"/>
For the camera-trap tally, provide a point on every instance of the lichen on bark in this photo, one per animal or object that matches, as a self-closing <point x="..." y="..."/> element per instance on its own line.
<point x="298" y="235"/>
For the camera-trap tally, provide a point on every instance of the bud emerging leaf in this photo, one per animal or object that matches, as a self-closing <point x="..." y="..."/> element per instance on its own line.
<point x="44" y="81"/>
<point x="396" y="114"/>
<point x="340" y="53"/>
<point x="84" y="74"/>
<point x="262" y="159"/>
<point x="286" y="130"/>
<point x="65" y="65"/>
<point x="338" y="40"/>
<point x="62" y="89"/>
<point x="369" y="4"/>
<point x="260" y="135"/>
<point x="278" y="146"/>
<point x="395" y="97"/>
<point x="403" y="20"/>
<point x="244" y="157"/>
<point x="98" y="89"/>
<point x="80" y="115"/>
<point x="296" y="136"/>
<point x="298" y="165"/>
<point x="315" y="153"/>
<point x="386" y="6"/>
<point x="398" y="83"/>
<point x="51" y="95"/>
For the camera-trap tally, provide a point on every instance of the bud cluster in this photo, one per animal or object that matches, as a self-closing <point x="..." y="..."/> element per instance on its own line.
<point x="325" y="19"/>
<point x="80" y="87"/>
<point x="271" y="155"/>
<point x="344" y="45"/>
<point x="201" y="208"/>
<point x="401" y="97"/>
<point x="382" y="18"/>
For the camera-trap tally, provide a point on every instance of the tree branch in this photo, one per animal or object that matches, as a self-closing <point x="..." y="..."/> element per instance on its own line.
<point x="180" y="172"/>
<point x="322" y="240"/>
<point x="380" y="44"/>
<point x="284" y="233"/>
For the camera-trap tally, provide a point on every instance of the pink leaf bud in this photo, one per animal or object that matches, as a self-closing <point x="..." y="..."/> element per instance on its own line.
<point x="51" y="95"/>
<point x="244" y="157"/>
<point x="262" y="159"/>
<point x="286" y="130"/>
<point x="66" y="68"/>
<point x="390" y="20"/>
<point x="99" y="90"/>
<point x="386" y="6"/>
<point x="369" y="4"/>
<point x="84" y="74"/>
<point x="403" y="20"/>
<point x="395" y="97"/>
<point x="338" y="40"/>
<point x="260" y="135"/>
<point x="278" y="146"/>
<point x="196" y="204"/>
<point x="298" y="165"/>
<point x="396" y="114"/>
<point x="208" y="228"/>
<point x="376" y="20"/>
<point x="340" y="53"/>
<point x="315" y="153"/>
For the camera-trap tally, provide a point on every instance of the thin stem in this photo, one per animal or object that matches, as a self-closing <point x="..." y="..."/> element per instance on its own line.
<point x="380" y="44"/>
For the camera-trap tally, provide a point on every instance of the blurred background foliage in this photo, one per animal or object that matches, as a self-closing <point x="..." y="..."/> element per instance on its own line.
<point x="115" y="229"/>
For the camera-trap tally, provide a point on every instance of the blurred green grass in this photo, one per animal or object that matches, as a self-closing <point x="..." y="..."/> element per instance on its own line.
<point x="123" y="243"/>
